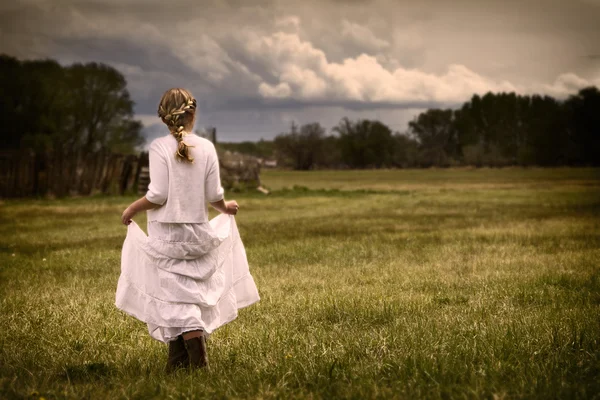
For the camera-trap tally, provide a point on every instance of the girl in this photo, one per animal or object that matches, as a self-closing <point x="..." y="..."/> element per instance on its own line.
<point x="189" y="276"/>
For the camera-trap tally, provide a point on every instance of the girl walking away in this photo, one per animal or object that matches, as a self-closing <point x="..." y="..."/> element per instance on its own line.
<point x="189" y="276"/>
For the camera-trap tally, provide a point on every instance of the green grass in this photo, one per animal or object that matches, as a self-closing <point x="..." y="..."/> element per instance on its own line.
<point x="374" y="284"/>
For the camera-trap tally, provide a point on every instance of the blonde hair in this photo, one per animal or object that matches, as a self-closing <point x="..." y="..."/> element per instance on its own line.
<point x="177" y="109"/>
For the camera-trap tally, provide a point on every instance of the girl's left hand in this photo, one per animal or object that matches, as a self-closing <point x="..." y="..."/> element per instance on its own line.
<point x="231" y="207"/>
<point x="128" y="214"/>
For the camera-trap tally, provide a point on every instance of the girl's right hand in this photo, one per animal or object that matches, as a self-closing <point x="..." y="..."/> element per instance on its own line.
<point x="127" y="215"/>
<point x="231" y="207"/>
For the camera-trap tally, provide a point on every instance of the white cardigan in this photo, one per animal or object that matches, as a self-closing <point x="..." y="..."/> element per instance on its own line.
<point x="180" y="187"/>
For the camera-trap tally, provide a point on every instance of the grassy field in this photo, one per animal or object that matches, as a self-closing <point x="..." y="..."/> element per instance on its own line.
<point x="374" y="284"/>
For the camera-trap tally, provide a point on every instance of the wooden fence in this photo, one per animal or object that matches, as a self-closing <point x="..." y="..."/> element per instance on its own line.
<point x="26" y="174"/>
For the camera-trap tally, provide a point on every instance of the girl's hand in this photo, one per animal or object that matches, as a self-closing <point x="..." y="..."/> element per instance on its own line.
<point x="141" y="204"/>
<point x="128" y="214"/>
<point x="231" y="207"/>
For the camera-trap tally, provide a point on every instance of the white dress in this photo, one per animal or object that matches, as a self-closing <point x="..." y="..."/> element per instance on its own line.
<point x="183" y="276"/>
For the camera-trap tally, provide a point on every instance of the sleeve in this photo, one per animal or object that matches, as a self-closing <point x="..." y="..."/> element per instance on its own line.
<point x="158" y="188"/>
<point x="212" y="184"/>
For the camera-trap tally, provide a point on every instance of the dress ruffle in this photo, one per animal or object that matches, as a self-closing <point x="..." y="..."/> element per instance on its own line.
<point x="199" y="280"/>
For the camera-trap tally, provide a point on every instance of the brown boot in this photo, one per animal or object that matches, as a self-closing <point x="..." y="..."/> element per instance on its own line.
<point x="178" y="355"/>
<point x="197" y="352"/>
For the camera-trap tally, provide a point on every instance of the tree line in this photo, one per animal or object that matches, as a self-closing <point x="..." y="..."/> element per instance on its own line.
<point x="85" y="108"/>
<point x="496" y="129"/>
<point x="69" y="110"/>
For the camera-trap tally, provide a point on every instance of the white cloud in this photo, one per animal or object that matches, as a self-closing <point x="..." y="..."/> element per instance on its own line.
<point x="288" y="22"/>
<point x="362" y="37"/>
<point x="565" y="85"/>
<point x="204" y="55"/>
<point x="279" y="91"/>
<point x="326" y="55"/>
<point x="304" y="73"/>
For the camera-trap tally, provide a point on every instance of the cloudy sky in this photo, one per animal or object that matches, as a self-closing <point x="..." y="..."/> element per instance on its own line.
<point x="255" y="66"/>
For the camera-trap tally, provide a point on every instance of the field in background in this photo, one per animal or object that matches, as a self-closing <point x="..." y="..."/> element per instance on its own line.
<point x="411" y="283"/>
<point x="424" y="179"/>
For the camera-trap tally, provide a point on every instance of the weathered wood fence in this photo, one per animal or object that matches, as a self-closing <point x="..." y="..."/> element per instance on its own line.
<point x="26" y="174"/>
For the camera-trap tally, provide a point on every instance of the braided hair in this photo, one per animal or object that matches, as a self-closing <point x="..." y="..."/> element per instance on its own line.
<point x="177" y="109"/>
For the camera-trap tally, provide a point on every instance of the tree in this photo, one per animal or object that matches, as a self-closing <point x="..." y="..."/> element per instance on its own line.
<point x="101" y="108"/>
<point x="78" y="109"/>
<point x="505" y="128"/>
<point x="302" y="148"/>
<point x="405" y="153"/>
<point x="583" y="126"/>
<point x="544" y="138"/>
<point x="365" y="143"/>
<point x="436" y="135"/>
<point x="32" y="102"/>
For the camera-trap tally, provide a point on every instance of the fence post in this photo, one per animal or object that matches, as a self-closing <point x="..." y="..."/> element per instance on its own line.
<point x="143" y="180"/>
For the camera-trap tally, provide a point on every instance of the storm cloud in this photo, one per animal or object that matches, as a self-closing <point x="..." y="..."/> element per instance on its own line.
<point x="257" y="65"/>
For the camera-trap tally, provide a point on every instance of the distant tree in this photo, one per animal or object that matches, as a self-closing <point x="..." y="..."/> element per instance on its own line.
<point x="302" y="148"/>
<point x="505" y="128"/>
<point x="265" y="149"/>
<point x="436" y="135"/>
<point x="10" y="101"/>
<point x="81" y="108"/>
<point x="544" y="139"/>
<point x="365" y="143"/>
<point x="490" y="127"/>
<point x="583" y="126"/>
<point x="32" y="100"/>
<point x="331" y="156"/>
<point x="125" y="137"/>
<point x="101" y="108"/>
<point x="405" y="151"/>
